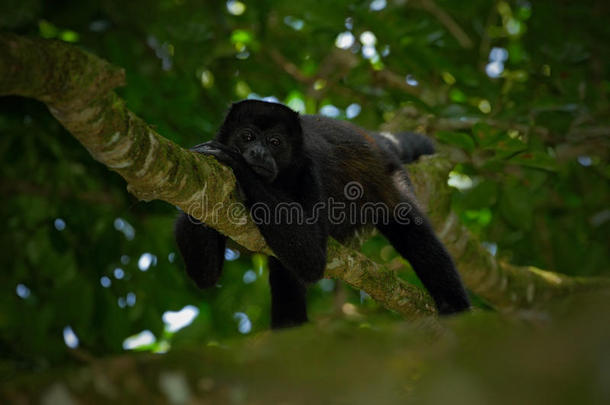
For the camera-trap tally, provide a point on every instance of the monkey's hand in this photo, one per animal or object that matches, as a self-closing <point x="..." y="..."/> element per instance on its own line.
<point x="221" y="152"/>
<point x="224" y="154"/>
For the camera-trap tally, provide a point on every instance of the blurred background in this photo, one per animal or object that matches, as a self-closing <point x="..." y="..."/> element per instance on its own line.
<point x="518" y="89"/>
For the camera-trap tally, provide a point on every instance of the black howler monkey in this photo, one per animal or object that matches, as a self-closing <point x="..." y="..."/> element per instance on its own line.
<point x="305" y="177"/>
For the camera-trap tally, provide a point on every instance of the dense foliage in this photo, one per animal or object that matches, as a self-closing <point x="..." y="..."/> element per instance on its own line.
<point x="519" y="90"/>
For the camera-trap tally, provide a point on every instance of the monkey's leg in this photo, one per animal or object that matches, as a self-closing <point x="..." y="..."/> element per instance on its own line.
<point x="288" y="297"/>
<point x="417" y="243"/>
<point x="202" y="248"/>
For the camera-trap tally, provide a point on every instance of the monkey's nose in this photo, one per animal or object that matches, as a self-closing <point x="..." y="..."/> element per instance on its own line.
<point x="257" y="153"/>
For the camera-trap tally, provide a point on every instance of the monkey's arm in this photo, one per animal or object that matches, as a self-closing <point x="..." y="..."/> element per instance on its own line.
<point x="202" y="249"/>
<point x="299" y="244"/>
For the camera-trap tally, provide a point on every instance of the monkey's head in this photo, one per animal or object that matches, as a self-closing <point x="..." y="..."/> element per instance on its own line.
<point x="268" y="136"/>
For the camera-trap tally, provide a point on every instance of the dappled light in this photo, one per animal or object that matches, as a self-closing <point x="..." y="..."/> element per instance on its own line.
<point x="330" y="110"/>
<point x="377" y="5"/>
<point x="460" y="181"/>
<point x="22" y="291"/>
<point x="105" y="281"/>
<point x="236" y="7"/>
<point x="585" y="160"/>
<point x="118" y="273"/>
<point x="296" y="23"/>
<point x="244" y="325"/>
<point x="146" y="260"/>
<point x="144" y="338"/>
<point x="494" y="69"/>
<point x="491" y="247"/>
<point x="411" y="81"/>
<point x="59" y="224"/>
<point x="231" y="254"/>
<point x="176" y="320"/>
<point x="125" y="228"/>
<point x="249" y="277"/>
<point x="345" y="40"/>
<point x="70" y="337"/>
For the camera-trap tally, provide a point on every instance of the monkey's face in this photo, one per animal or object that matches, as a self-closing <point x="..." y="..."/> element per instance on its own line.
<point x="266" y="151"/>
<point x="268" y="135"/>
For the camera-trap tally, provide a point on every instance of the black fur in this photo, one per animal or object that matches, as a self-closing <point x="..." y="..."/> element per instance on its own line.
<point x="279" y="157"/>
<point x="202" y="248"/>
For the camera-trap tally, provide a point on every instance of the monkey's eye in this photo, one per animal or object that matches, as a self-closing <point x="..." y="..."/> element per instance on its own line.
<point x="247" y="136"/>
<point x="274" y="141"/>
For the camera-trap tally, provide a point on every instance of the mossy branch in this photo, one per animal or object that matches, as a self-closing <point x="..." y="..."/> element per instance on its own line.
<point x="78" y="89"/>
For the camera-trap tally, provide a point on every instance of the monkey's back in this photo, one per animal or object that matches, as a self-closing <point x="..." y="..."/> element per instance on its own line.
<point x="355" y="169"/>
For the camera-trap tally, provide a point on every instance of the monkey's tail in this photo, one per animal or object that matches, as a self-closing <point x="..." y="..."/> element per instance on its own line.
<point x="413" y="145"/>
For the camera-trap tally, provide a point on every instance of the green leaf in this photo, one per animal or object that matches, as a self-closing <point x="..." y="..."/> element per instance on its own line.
<point x="459" y="139"/>
<point x="517" y="207"/>
<point x="537" y="159"/>
<point x="483" y="195"/>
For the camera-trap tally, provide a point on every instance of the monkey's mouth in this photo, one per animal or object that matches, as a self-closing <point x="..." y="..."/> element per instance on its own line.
<point x="261" y="170"/>
<point x="264" y="172"/>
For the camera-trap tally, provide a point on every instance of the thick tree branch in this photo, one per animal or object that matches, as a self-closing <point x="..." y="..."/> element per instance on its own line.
<point x="77" y="87"/>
